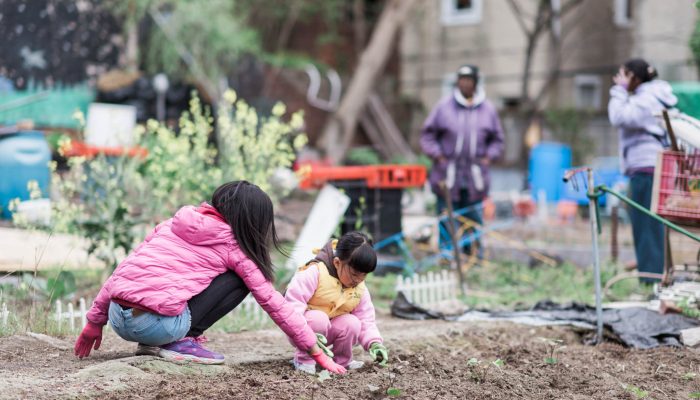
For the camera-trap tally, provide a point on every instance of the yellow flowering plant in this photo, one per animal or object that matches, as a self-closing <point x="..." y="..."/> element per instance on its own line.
<point x="112" y="201"/>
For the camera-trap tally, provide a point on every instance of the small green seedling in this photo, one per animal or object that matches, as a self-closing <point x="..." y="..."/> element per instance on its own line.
<point x="694" y="395"/>
<point x="479" y="371"/>
<point x="394" y="392"/>
<point x="552" y="345"/>
<point x="689" y="376"/>
<point x="637" y="392"/>
<point x="323" y="375"/>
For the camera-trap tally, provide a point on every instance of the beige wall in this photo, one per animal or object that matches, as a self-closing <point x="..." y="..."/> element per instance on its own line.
<point x="661" y="36"/>
<point x="591" y="43"/>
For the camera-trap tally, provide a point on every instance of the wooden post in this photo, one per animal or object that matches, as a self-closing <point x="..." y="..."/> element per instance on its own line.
<point x="669" y="129"/>
<point x="453" y="236"/>
<point x="614" y="248"/>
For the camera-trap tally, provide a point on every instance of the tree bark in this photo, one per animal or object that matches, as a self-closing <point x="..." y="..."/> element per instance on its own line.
<point x="359" y="25"/>
<point x="131" y="48"/>
<point x="339" y="130"/>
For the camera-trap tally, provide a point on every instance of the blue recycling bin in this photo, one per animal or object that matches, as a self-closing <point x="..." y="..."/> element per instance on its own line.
<point x="547" y="164"/>
<point x="24" y="156"/>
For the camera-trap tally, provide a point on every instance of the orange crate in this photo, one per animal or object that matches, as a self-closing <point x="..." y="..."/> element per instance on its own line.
<point x="82" y="149"/>
<point x="676" y="193"/>
<point x="376" y="176"/>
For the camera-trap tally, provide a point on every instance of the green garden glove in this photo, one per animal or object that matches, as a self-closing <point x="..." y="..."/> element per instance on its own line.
<point x="321" y="342"/>
<point x="379" y="353"/>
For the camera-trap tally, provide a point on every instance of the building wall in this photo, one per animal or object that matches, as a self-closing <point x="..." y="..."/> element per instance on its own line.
<point x="594" y="40"/>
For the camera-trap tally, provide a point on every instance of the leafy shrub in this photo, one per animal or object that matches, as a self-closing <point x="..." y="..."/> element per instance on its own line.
<point x="112" y="201"/>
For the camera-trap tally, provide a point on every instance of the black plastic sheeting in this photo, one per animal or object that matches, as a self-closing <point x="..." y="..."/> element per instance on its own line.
<point x="636" y="327"/>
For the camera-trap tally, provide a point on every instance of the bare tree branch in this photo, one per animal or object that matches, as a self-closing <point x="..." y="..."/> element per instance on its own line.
<point x="519" y="16"/>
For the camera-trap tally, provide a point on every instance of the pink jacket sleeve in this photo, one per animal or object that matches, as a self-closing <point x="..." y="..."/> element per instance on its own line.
<point x="98" y="312"/>
<point x="100" y="307"/>
<point x="369" y="333"/>
<point x="282" y="312"/>
<point x="302" y="288"/>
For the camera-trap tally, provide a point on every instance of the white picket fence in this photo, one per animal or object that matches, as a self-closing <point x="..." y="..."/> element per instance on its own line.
<point x="4" y="314"/>
<point x="249" y="308"/>
<point x="75" y="318"/>
<point x="71" y="314"/>
<point x="429" y="289"/>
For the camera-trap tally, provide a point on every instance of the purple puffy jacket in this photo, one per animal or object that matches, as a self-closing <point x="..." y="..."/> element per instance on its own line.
<point x="179" y="259"/>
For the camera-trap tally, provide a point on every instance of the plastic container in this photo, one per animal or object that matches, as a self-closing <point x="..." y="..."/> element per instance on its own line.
<point x="374" y="176"/>
<point x="548" y="162"/>
<point x="676" y="191"/>
<point x="372" y="210"/>
<point x="81" y="149"/>
<point x="24" y="157"/>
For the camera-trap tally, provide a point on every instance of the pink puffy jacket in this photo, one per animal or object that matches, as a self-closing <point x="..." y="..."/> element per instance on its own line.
<point x="179" y="259"/>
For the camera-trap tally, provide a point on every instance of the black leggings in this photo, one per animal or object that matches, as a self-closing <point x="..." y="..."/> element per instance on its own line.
<point x="224" y="293"/>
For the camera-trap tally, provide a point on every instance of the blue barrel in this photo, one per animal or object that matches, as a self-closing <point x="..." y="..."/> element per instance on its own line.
<point x="548" y="161"/>
<point x="24" y="157"/>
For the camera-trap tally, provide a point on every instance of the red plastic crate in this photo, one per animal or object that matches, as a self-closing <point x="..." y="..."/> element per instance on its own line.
<point x="676" y="192"/>
<point x="376" y="176"/>
<point x="81" y="149"/>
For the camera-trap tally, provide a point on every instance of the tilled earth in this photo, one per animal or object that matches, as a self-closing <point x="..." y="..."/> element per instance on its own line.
<point x="429" y="360"/>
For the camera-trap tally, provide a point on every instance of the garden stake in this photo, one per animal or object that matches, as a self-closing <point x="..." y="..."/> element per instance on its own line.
<point x="593" y="211"/>
<point x="453" y="236"/>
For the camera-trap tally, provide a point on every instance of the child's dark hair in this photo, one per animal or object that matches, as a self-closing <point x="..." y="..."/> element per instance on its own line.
<point x="249" y="212"/>
<point x="355" y="248"/>
<point x="641" y="69"/>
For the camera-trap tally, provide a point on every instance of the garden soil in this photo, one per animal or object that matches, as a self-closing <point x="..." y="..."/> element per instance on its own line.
<point x="429" y="360"/>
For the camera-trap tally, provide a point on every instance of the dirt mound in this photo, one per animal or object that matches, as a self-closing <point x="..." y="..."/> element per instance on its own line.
<point x="429" y="360"/>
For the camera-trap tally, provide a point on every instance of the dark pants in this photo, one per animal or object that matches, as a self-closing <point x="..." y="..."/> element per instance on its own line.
<point x="224" y="293"/>
<point x="473" y="214"/>
<point x="648" y="234"/>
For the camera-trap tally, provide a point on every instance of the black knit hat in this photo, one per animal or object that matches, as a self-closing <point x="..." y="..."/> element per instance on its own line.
<point x="467" y="70"/>
<point x="641" y="69"/>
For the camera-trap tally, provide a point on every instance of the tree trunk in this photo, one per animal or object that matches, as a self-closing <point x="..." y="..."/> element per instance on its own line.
<point x="359" y="25"/>
<point x="339" y="131"/>
<point x="132" y="47"/>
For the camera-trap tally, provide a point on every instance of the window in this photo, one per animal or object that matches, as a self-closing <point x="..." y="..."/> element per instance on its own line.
<point x="461" y="12"/>
<point x="587" y="92"/>
<point x="623" y="13"/>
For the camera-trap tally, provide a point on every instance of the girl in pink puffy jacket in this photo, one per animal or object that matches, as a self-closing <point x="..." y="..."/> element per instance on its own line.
<point x="330" y="291"/>
<point x="189" y="272"/>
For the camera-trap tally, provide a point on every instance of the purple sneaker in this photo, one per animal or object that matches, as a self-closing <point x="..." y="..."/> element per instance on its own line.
<point x="190" y="349"/>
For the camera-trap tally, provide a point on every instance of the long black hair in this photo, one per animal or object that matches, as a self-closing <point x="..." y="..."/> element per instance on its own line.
<point x="249" y="212"/>
<point x="355" y="248"/>
<point x="641" y="69"/>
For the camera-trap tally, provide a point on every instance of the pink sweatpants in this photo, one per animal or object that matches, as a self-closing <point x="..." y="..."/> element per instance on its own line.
<point x="342" y="332"/>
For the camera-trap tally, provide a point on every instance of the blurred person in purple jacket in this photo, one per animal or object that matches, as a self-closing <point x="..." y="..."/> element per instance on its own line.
<point x="463" y="136"/>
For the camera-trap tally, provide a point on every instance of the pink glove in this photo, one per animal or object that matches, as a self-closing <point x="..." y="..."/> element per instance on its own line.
<point x="91" y="334"/>
<point x="327" y="363"/>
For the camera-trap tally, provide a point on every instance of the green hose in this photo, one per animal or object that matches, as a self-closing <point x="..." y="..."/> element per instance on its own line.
<point x="602" y="188"/>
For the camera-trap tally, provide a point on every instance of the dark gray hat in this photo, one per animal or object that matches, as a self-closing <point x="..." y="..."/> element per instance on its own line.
<point x="468" y="70"/>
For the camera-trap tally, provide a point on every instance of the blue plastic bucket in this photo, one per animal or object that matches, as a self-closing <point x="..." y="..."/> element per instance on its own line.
<point x="548" y="162"/>
<point x="24" y="157"/>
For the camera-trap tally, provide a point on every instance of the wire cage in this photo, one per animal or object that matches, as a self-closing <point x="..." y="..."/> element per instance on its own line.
<point x="676" y="193"/>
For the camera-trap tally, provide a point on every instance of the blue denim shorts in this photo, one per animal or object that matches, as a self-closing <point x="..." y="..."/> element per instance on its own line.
<point x="148" y="328"/>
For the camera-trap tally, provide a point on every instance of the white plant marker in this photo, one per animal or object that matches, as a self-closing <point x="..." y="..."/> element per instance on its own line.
<point x="322" y="221"/>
